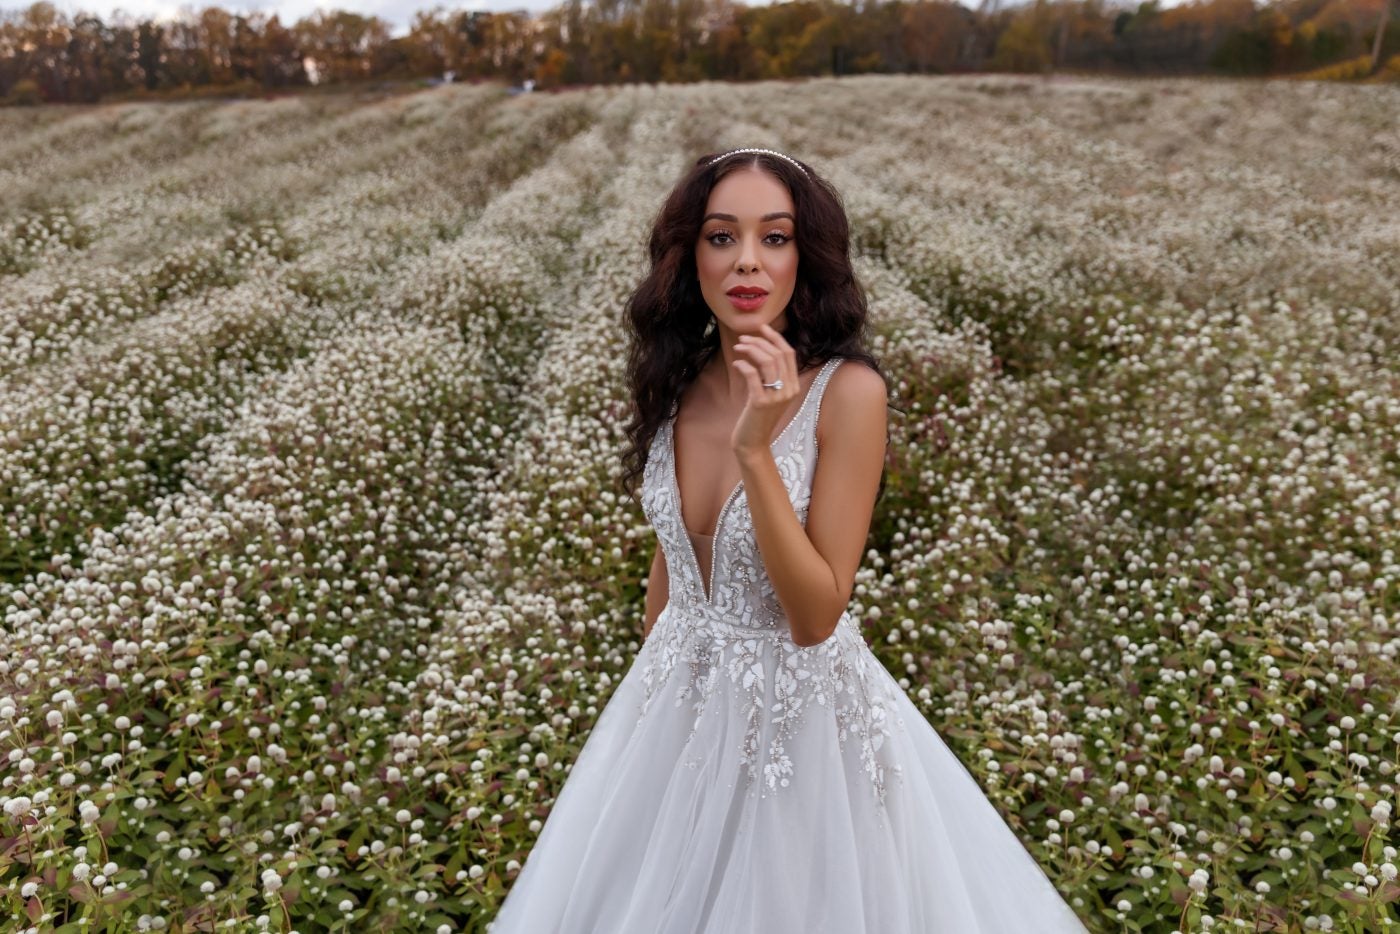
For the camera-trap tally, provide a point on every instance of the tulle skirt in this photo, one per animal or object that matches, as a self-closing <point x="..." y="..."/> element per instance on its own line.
<point x="746" y="785"/>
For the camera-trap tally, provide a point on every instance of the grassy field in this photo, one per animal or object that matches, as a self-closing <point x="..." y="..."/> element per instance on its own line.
<point x="314" y="576"/>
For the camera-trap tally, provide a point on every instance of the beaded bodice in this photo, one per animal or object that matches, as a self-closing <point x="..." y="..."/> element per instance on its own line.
<point x="731" y="634"/>
<point x="738" y="590"/>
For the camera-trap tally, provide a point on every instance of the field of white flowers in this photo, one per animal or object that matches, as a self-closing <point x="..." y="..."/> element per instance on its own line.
<point x="314" y="575"/>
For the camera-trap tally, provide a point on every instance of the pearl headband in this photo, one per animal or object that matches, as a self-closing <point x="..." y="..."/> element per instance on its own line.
<point x="769" y="151"/>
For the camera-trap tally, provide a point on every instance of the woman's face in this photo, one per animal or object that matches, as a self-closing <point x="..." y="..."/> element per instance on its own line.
<point x="747" y="240"/>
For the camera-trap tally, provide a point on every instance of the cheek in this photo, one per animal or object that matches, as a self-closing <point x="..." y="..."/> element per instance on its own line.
<point x="786" y="269"/>
<point x="710" y="269"/>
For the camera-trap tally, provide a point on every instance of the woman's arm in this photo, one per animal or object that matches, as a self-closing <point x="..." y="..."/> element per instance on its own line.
<point x="658" y="584"/>
<point x="813" y="570"/>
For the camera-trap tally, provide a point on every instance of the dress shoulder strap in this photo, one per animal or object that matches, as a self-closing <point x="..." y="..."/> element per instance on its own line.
<point x="817" y="391"/>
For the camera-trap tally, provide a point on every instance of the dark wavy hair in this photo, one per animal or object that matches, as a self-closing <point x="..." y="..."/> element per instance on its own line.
<point x="672" y="331"/>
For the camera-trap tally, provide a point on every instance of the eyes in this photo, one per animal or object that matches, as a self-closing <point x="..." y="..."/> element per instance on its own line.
<point x="782" y="237"/>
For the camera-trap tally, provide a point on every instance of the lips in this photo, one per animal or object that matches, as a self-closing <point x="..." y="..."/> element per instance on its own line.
<point x="744" y="292"/>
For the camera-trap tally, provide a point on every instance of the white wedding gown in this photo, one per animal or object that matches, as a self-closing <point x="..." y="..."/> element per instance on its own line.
<point x="737" y="783"/>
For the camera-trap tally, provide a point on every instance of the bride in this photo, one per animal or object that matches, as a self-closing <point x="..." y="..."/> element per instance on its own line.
<point x="757" y="770"/>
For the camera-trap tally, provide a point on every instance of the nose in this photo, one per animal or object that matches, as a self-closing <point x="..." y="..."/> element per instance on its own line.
<point x="748" y="255"/>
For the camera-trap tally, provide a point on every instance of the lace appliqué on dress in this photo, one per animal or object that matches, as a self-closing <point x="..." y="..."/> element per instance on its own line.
<point x="835" y="676"/>
<point x="740" y="640"/>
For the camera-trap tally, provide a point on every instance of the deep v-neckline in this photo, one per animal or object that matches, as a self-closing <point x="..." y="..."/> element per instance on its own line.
<point x="733" y="494"/>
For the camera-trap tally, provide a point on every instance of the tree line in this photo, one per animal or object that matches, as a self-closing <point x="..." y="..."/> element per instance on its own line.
<point x="46" y="55"/>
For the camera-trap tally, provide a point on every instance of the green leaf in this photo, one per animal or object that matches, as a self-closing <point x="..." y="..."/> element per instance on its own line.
<point x="1113" y="839"/>
<point x="174" y="771"/>
<point x="454" y="864"/>
<point x="357" y="839"/>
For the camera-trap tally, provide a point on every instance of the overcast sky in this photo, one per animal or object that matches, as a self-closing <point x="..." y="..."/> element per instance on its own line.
<point x="398" y="14"/>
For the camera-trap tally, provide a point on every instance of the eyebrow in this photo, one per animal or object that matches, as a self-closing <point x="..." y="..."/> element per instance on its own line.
<point x="762" y="220"/>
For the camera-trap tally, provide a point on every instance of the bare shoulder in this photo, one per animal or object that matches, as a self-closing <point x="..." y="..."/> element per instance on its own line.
<point x="853" y="404"/>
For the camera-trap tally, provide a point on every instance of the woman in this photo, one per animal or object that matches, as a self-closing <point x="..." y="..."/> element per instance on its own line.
<point x="757" y="771"/>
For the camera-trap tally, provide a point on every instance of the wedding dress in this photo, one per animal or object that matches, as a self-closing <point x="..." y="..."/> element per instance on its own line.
<point x="738" y="783"/>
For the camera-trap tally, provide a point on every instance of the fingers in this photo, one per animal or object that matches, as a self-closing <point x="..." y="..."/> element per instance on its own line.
<point x="752" y="379"/>
<point x="762" y="355"/>
<point x="748" y="369"/>
<point x="773" y="358"/>
<point x="786" y="355"/>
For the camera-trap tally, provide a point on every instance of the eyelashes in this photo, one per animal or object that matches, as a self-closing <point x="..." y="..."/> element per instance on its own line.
<point x="783" y="238"/>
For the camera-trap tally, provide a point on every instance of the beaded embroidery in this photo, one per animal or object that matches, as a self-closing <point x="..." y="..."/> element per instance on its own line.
<point x="739" y="639"/>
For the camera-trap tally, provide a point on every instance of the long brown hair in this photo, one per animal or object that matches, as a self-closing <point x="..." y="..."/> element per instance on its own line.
<point x="672" y="330"/>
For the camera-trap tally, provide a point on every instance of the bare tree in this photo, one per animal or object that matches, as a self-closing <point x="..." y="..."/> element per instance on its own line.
<point x="1380" y="34"/>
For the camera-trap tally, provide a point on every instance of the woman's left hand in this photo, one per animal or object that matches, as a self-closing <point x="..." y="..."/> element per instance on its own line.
<point x="767" y="357"/>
